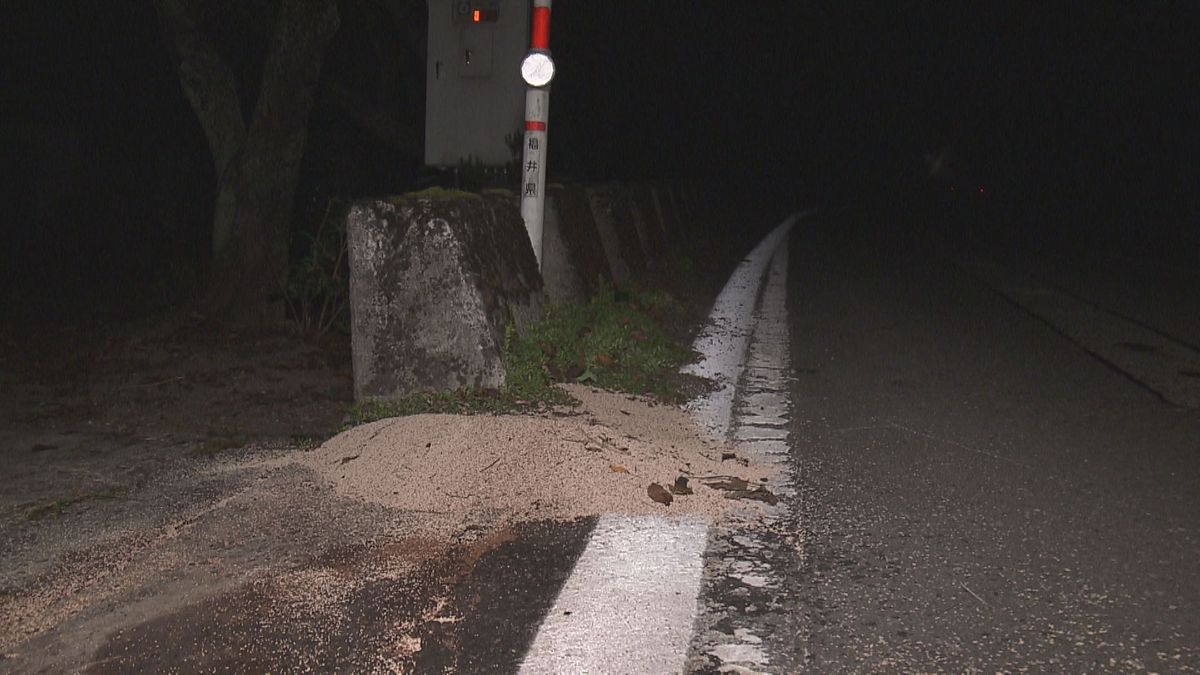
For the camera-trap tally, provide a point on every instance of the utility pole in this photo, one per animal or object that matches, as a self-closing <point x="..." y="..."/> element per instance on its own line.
<point x="537" y="69"/>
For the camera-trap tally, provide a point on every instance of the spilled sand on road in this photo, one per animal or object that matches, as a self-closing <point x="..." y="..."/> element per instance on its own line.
<point x="214" y="564"/>
<point x="485" y="471"/>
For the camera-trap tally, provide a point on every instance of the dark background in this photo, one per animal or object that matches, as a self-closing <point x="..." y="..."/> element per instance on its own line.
<point x="1079" y="105"/>
<point x="1080" y="118"/>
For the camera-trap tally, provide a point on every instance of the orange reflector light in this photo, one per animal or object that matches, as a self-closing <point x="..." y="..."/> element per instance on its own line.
<point x="475" y="16"/>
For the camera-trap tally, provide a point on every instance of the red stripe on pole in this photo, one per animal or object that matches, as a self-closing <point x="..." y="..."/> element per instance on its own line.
<point x="541" y="28"/>
<point x="535" y="126"/>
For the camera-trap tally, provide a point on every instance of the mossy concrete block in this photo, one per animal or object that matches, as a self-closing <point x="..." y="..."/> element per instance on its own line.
<point x="435" y="280"/>
<point x="666" y="205"/>
<point x="648" y="218"/>
<point x="573" y="260"/>
<point x="618" y="232"/>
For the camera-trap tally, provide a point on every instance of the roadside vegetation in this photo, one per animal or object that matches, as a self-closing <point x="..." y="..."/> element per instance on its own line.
<point x="618" y="340"/>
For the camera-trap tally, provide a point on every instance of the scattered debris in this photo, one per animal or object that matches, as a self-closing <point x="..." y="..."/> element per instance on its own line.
<point x="726" y="456"/>
<point x="680" y="487"/>
<point x="730" y="483"/>
<point x="617" y="468"/>
<point x="974" y="595"/>
<point x="659" y="494"/>
<point x="740" y="488"/>
<point x="758" y="494"/>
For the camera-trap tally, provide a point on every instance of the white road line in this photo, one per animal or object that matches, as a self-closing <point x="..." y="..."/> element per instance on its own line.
<point x="630" y="602"/>
<point x="723" y="340"/>
<point x="761" y="433"/>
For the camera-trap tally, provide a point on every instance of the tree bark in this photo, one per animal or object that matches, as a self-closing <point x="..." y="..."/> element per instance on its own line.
<point x="258" y="168"/>
<point x="211" y="89"/>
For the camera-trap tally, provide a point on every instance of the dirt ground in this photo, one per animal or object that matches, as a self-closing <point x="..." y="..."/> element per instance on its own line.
<point x="101" y="427"/>
<point x="167" y="503"/>
<point x="170" y="502"/>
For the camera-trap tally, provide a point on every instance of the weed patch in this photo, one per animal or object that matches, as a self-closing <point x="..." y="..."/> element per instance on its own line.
<point x="461" y="402"/>
<point x="614" y="341"/>
<point x="216" y="445"/>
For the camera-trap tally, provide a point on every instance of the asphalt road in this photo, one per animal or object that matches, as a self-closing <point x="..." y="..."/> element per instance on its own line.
<point x="992" y="458"/>
<point x="976" y="489"/>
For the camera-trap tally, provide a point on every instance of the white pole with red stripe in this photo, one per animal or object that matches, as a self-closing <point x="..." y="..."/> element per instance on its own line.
<point x="537" y="70"/>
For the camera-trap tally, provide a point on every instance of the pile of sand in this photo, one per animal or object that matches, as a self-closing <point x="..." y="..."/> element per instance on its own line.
<point x="491" y="470"/>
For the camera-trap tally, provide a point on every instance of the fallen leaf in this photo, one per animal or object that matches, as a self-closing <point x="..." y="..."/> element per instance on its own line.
<point x="659" y="494"/>
<point x="605" y="360"/>
<point x="617" y="468"/>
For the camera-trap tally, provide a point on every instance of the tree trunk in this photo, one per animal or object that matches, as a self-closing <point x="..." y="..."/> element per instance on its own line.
<point x="211" y="89"/>
<point x="258" y="168"/>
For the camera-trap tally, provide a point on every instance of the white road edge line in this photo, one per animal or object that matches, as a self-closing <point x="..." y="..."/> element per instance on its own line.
<point x="723" y="341"/>
<point x="629" y="605"/>
<point x="630" y="602"/>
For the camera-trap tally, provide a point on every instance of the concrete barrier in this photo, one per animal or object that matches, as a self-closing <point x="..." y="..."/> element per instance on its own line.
<point x="687" y="219"/>
<point x="670" y="206"/>
<point x="618" y="233"/>
<point x="435" y="280"/>
<point x="573" y="259"/>
<point x="648" y="218"/>
<point x="662" y="206"/>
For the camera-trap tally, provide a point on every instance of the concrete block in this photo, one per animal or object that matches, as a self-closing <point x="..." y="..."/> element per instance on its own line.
<point x="573" y="260"/>
<point x="668" y="207"/>
<point x="435" y="280"/>
<point x="683" y="220"/>
<point x="618" y="233"/>
<point x="648" y="217"/>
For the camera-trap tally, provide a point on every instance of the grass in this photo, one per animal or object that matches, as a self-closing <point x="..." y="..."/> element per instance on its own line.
<point x="55" y="508"/>
<point x="217" y="445"/>
<point x="307" y="441"/>
<point x="438" y="194"/>
<point x="614" y="341"/>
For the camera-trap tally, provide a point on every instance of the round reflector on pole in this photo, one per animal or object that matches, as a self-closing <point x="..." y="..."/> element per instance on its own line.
<point x="537" y="69"/>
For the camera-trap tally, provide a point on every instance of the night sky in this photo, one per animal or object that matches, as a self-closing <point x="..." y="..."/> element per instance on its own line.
<point x="1068" y="102"/>
<point x="1070" y="112"/>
